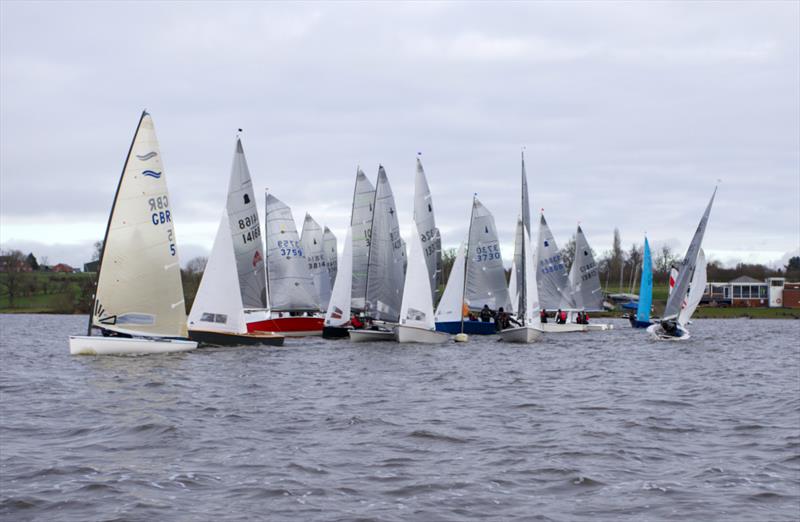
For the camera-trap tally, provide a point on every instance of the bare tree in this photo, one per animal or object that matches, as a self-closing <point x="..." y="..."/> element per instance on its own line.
<point x="98" y="250"/>
<point x="665" y="260"/>
<point x="568" y="251"/>
<point x="14" y="264"/>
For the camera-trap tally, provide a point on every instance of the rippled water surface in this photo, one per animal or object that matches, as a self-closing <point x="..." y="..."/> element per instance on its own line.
<point x="592" y="426"/>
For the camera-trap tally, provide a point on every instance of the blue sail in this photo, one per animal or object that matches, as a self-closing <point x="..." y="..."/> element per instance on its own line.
<point x="646" y="287"/>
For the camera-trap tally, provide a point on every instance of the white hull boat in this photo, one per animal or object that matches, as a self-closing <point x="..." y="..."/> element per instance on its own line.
<point x="598" y="327"/>
<point x="95" y="345"/>
<point x="564" y="328"/>
<point x="412" y="334"/>
<point x="659" y="334"/>
<point x="522" y="334"/>
<point x="371" y="336"/>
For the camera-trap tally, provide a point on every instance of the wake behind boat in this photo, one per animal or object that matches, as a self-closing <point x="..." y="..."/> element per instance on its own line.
<point x="138" y="305"/>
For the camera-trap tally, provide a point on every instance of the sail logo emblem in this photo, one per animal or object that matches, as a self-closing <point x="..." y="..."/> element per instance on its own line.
<point x="152" y="174"/>
<point x="145" y="157"/>
<point x="257" y="258"/>
<point x="337" y="313"/>
<point x="546" y="243"/>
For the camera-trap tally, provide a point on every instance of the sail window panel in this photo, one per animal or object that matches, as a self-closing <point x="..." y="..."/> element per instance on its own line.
<point x="136" y="318"/>
<point x="207" y="317"/>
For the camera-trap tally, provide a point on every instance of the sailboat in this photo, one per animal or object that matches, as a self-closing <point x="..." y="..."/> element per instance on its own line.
<point x="312" y="240"/>
<point x="642" y="317"/>
<point x="338" y="315"/>
<point x="691" y="271"/>
<point x="385" y="267"/>
<point x="553" y="284"/>
<point x="293" y="299"/>
<point x="426" y="228"/>
<point x="138" y="304"/>
<point x="417" y="323"/>
<point x="331" y="254"/>
<point x="530" y="329"/>
<point x="217" y="315"/>
<point x="584" y="280"/>
<point x="476" y="279"/>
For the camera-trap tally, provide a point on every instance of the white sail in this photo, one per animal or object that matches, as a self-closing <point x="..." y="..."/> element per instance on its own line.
<point x="218" y="303"/>
<point x="385" y="272"/>
<point x="245" y="231"/>
<point x="584" y="278"/>
<point x="696" y="290"/>
<point x="513" y="296"/>
<point x="517" y="265"/>
<point x="417" y="307"/>
<point x="361" y="223"/>
<point x="331" y="254"/>
<point x="339" y="307"/>
<point x="291" y="287"/>
<point x="554" y="289"/>
<point x="314" y="252"/>
<point x="526" y="207"/>
<point x="426" y="228"/>
<point x="531" y="298"/>
<point x="486" y="277"/>
<point x="451" y="305"/>
<point x="139" y="286"/>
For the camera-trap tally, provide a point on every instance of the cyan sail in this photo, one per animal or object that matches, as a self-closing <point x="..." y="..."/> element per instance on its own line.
<point x="646" y="286"/>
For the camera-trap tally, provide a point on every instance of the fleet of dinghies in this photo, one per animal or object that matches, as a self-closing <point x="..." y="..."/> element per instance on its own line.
<point x="258" y="289"/>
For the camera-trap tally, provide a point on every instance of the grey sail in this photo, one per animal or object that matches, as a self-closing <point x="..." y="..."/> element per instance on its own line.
<point x="551" y="278"/>
<point x="361" y="223"/>
<point x="426" y="228"/>
<point x="331" y="254"/>
<point x="686" y="268"/>
<point x="486" y="277"/>
<point x="246" y="233"/>
<point x="584" y="277"/>
<point x="526" y="207"/>
<point x="385" y="271"/>
<point x="314" y="252"/>
<point x="525" y="224"/>
<point x="291" y="287"/>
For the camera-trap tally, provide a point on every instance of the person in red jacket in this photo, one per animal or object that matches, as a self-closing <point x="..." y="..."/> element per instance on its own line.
<point x="356" y="322"/>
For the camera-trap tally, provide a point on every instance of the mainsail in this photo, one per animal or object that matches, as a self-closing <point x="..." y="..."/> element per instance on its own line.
<point x="696" y="290"/>
<point x="529" y="301"/>
<point x="686" y="268"/>
<point x="245" y="232"/>
<point x="139" y="286"/>
<point x="426" y="228"/>
<point x="339" y="306"/>
<point x="417" y="306"/>
<point x="584" y="277"/>
<point x="646" y="286"/>
<point x="526" y="207"/>
<point x="385" y="275"/>
<point x="314" y="252"/>
<point x="516" y="280"/>
<point x="486" y="277"/>
<point x="291" y="287"/>
<point x="552" y="280"/>
<point x="361" y="223"/>
<point x="218" y="303"/>
<point x="331" y="253"/>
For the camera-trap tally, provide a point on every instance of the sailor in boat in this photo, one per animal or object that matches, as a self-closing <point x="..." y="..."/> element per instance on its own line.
<point x="356" y="322"/>
<point x="543" y="316"/>
<point x="112" y="333"/>
<point x="487" y="314"/>
<point x="503" y="320"/>
<point x="561" y="317"/>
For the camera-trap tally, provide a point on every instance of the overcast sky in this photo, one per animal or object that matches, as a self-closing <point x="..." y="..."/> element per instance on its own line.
<point x="629" y="113"/>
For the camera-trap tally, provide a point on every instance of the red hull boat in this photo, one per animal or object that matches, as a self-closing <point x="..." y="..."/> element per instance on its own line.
<point x="289" y="326"/>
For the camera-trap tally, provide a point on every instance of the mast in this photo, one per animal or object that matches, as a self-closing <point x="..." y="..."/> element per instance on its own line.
<point x="108" y="225"/>
<point x="466" y="259"/>
<point x="266" y="243"/>
<point x="523" y="302"/>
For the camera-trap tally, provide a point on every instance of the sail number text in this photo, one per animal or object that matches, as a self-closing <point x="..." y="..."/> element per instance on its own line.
<point x="160" y="215"/>
<point x="551" y="264"/>
<point x="250" y="222"/>
<point x="290" y="248"/>
<point x="429" y="235"/>
<point x="487" y="253"/>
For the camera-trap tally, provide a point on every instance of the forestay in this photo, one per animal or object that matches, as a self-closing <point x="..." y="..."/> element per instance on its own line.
<point x="245" y="230"/>
<point x="139" y="288"/>
<point x="291" y="288"/>
<point x="584" y="278"/>
<point x="486" y="279"/>
<point x="385" y="275"/>
<point x="314" y="252"/>
<point x="218" y="303"/>
<point x="339" y="307"/>
<point x="426" y="228"/>
<point x="552" y="280"/>
<point x="417" y="306"/>
<point x="361" y="224"/>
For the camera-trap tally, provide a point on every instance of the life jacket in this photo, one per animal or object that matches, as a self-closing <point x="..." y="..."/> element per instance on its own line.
<point x="563" y="317"/>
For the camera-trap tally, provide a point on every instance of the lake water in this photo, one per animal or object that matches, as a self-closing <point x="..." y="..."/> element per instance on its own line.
<point x="592" y="426"/>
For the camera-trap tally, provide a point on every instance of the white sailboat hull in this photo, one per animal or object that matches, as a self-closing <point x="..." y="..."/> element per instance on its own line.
<point x="412" y="334"/>
<point x="658" y="334"/>
<point x="371" y="336"/>
<point x="522" y="334"/>
<point x="86" y="345"/>
<point x="563" y="328"/>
